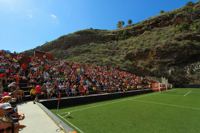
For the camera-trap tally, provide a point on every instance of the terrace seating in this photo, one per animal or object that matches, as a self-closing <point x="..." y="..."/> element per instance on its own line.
<point x="67" y="78"/>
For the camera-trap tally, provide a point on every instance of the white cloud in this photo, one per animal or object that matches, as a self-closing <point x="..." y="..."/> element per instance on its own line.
<point x="53" y="16"/>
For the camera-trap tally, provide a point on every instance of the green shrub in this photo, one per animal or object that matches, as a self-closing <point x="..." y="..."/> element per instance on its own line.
<point x="184" y="27"/>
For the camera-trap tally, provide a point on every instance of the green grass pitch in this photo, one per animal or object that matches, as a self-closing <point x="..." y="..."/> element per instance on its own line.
<point x="173" y="111"/>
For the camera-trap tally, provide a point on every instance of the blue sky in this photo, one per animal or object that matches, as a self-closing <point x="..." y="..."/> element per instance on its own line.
<point x="25" y="24"/>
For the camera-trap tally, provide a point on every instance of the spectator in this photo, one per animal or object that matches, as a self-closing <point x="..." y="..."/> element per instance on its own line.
<point x="37" y="93"/>
<point x="10" y="118"/>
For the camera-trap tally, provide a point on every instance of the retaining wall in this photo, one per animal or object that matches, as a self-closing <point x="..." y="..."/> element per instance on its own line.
<point x="78" y="100"/>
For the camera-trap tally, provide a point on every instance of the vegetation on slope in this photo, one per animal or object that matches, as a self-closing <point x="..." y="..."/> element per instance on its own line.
<point x="167" y="45"/>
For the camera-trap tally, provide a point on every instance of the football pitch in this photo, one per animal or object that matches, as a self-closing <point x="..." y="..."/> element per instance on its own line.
<point x="173" y="111"/>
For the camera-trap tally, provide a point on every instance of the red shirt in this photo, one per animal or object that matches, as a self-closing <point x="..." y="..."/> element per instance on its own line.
<point x="37" y="89"/>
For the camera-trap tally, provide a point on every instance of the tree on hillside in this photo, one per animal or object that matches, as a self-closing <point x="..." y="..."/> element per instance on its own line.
<point x="190" y="3"/>
<point x="162" y="11"/>
<point x="120" y="24"/>
<point x="130" y="22"/>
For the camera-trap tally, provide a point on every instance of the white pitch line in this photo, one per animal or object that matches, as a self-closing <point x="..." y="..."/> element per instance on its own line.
<point x="71" y="124"/>
<point x="99" y="105"/>
<point x="171" y="105"/>
<point x="105" y="104"/>
<point x="81" y="109"/>
<point x="187" y="93"/>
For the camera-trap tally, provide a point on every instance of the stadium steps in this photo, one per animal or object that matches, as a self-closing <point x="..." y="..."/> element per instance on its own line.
<point x="26" y="93"/>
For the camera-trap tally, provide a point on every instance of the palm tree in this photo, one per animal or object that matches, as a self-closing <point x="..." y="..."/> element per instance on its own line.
<point x="162" y="11"/>
<point x="120" y="24"/>
<point x="130" y="22"/>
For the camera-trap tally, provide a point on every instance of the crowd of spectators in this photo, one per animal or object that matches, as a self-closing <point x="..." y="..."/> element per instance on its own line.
<point x="50" y="77"/>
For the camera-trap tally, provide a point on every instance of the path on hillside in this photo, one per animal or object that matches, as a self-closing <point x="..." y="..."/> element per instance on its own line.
<point x="36" y="120"/>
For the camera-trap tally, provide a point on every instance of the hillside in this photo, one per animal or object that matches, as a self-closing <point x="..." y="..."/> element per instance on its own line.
<point x="166" y="45"/>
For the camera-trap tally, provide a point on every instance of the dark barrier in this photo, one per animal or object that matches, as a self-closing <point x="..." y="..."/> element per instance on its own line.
<point x="192" y="86"/>
<point x="72" y="101"/>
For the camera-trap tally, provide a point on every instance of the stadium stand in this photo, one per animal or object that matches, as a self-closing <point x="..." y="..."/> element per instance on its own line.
<point x="25" y="78"/>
